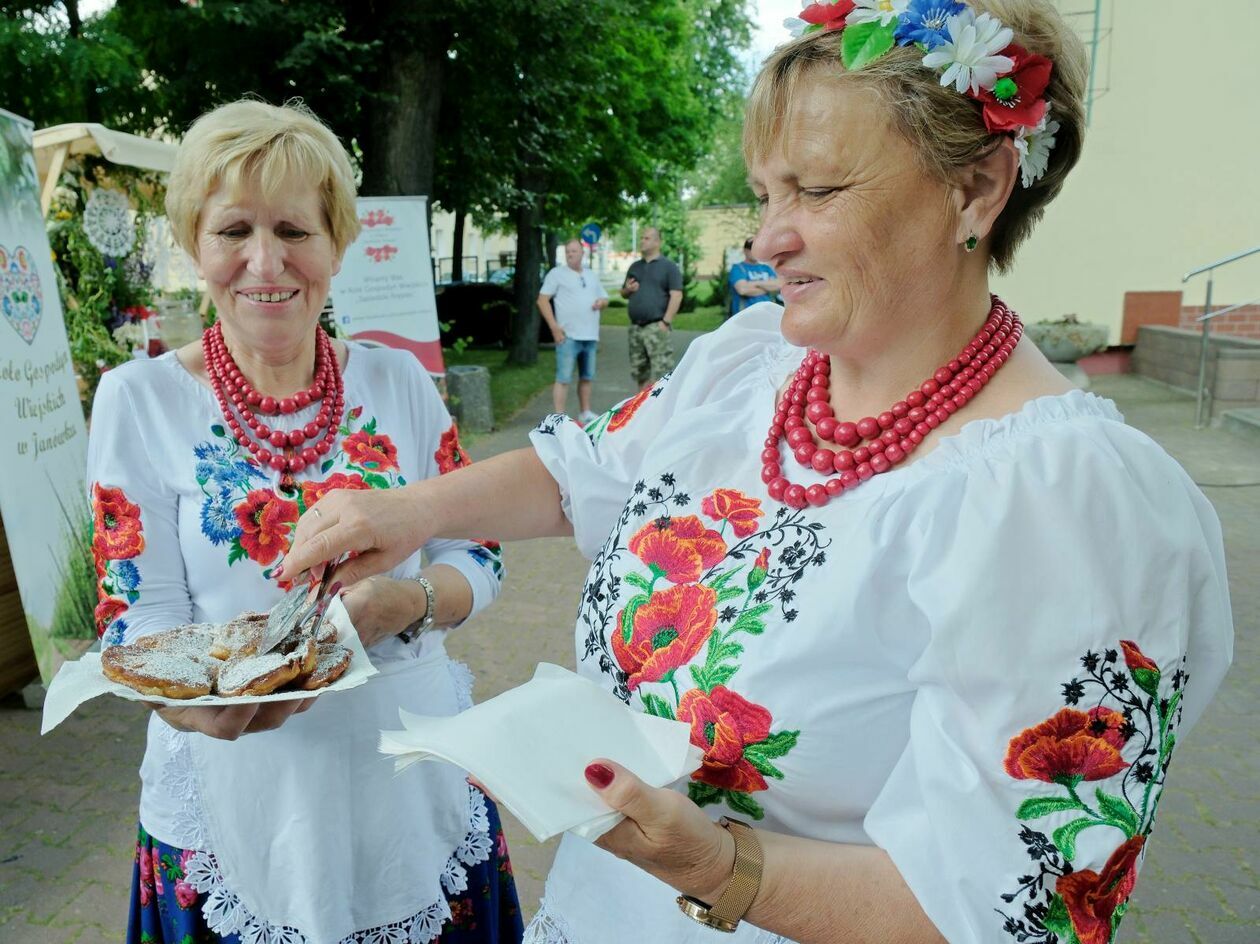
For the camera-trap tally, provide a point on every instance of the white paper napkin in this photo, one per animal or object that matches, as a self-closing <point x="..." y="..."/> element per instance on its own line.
<point x="530" y="746"/>
<point x="77" y="682"/>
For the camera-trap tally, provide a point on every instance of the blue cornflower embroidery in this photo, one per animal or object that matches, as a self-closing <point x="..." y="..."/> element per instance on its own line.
<point x="924" y="22"/>
<point x="218" y="518"/>
<point x="114" y="635"/>
<point x="126" y="576"/>
<point x="492" y="560"/>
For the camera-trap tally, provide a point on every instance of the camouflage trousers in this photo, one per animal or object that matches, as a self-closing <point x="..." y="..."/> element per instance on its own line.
<point x="651" y="351"/>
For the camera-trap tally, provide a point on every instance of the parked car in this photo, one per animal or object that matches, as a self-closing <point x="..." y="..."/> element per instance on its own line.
<point x="503" y="276"/>
<point x="477" y="311"/>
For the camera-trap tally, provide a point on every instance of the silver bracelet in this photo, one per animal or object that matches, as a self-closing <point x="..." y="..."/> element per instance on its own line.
<point x="430" y="611"/>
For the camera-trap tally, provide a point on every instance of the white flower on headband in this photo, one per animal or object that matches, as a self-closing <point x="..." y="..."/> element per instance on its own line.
<point x="970" y="54"/>
<point x="881" y="11"/>
<point x="1034" y="146"/>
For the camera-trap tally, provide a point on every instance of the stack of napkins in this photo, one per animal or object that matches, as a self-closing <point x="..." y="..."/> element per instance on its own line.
<point x="530" y="746"/>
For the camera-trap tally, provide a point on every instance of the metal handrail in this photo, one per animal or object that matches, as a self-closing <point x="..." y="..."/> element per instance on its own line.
<point x="1225" y="311"/>
<point x="1219" y="262"/>
<point x="1206" y="321"/>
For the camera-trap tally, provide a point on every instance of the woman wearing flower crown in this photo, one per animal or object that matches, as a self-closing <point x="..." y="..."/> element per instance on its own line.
<point x="200" y="463"/>
<point x="935" y="618"/>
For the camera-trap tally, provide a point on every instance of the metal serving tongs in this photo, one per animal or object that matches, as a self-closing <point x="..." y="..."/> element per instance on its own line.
<point x="295" y="608"/>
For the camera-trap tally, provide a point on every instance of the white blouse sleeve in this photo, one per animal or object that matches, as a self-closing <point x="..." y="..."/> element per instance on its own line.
<point x="481" y="563"/>
<point x="141" y="582"/>
<point x="596" y="467"/>
<point x="1074" y="587"/>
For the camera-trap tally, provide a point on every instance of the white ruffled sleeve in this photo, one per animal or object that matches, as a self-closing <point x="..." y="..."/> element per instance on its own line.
<point x="1074" y="587"/>
<point x="142" y="587"/>
<point x="596" y="467"/>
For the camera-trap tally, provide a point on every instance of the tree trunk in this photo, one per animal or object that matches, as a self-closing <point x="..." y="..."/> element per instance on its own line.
<point x="91" y="103"/>
<point x="523" y="344"/>
<point x="551" y="245"/>
<point x="401" y="126"/>
<point x="457" y="250"/>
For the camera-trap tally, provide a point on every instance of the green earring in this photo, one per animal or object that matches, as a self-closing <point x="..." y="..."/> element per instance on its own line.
<point x="972" y="241"/>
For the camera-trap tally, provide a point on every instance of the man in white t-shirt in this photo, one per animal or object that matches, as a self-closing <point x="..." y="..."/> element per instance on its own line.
<point x="578" y="299"/>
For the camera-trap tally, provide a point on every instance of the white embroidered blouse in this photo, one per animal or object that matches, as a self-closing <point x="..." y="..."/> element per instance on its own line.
<point x="979" y="662"/>
<point x="188" y="529"/>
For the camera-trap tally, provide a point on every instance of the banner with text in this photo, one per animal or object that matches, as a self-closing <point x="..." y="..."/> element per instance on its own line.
<point x="384" y="291"/>
<point x="42" y="435"/>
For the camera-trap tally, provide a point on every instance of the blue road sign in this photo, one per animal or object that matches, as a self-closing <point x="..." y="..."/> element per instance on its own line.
<point x="591" y="233"/>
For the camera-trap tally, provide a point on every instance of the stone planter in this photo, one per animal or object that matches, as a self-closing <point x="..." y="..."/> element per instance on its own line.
<point x="1067" y="343"/>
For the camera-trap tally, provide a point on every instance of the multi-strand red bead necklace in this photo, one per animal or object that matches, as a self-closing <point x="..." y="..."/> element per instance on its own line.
<point x="285" y="451"/>
<point x="875" y="444"/>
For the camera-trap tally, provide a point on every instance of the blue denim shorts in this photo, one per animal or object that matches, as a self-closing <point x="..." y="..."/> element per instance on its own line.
<point x="569" y="352"/>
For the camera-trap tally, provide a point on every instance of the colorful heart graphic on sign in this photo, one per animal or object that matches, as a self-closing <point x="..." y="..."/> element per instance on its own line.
<point x="21" y="299"/>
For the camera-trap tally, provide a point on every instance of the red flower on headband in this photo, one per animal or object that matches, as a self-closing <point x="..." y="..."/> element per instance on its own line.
<point x="1017" y="101"/>
<point x="830" y="16"/>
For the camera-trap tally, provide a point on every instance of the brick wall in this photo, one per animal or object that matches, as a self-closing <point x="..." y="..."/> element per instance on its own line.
<point x="1243" y="323"/>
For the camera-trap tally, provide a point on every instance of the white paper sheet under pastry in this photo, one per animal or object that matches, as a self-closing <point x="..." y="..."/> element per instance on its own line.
<point x="80" y="681"/>
<point x="529" y="746"/>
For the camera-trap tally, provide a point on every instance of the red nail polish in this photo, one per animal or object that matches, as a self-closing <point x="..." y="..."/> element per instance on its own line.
<point x="335" y="588"/>
<point x="278" y="572"/>
<point x="599" y="776"/>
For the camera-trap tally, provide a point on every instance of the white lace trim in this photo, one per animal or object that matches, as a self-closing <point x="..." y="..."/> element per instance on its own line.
<point x="547" y="928"/>
<point x="179" y="779"/>
<point x="225" y="913"/>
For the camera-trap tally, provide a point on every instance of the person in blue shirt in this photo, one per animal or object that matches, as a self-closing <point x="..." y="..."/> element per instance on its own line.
<point x="750" y="281"/>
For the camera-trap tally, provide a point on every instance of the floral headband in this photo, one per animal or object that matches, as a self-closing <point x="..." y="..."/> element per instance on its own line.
<point x="973" y="53"/>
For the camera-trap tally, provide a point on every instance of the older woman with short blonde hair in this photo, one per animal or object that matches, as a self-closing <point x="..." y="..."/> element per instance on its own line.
<point x="275" y="822"/>
<point x="936" y="619"/>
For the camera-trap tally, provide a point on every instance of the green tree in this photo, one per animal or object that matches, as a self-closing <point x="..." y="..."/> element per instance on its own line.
<point x="63" y="68"/>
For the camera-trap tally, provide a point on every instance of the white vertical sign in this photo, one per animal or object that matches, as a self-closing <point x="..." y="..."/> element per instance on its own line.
<point x="384" y="291"/>
<point x="43" y="439"/>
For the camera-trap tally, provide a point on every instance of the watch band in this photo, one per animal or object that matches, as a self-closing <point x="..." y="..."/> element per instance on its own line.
<point x="740" y="891"/>
<point x="430" y="610"/>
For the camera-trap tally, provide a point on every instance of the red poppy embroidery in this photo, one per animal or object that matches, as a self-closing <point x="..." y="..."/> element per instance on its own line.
<point x="108" y="610"/>
<point x="266" y="523"/>
<point x="663" y="633"/>
<point x="724" y="723"/>
<point x="117" y="533"/>
<point x="679" y="549"/>
<point x="370" y="451"/>
<point x="314" y="491"/>
<point x="450" y="455"/>
<point x="1145" y="671"/>
<point x="1021" y="104"/>
<point x="1070" y="746"/>
<point x="1092" y="898"/>
<point x="730" y="504"/>
<point x="624" y="412"/>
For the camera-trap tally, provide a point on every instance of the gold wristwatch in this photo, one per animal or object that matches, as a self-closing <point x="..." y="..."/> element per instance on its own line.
<point x="737" y="897"/>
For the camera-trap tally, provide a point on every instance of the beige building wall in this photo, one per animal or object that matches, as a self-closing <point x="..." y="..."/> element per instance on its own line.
<point x="476" y="243"/>
<point x="1170" y="175"/>
<point x="721" y="228"/>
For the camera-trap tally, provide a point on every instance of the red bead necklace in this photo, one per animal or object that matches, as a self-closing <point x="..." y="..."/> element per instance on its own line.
<point x="237" y="396"/>
<point x="875" y="444"/>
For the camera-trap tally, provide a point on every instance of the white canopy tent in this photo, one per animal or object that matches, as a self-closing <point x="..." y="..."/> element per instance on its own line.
<point x="53" y="145"/>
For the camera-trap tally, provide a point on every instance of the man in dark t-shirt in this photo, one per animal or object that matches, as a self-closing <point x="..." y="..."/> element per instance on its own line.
<point x="654" y="288"/>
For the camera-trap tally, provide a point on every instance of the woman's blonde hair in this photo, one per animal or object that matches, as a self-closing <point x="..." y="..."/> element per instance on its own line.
<point x="250" y="140"/>
<point x="944" y="127"/>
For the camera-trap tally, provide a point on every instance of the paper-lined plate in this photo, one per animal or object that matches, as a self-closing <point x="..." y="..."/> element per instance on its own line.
<point x="77" y="682"/>
<point x="530" y="746"/>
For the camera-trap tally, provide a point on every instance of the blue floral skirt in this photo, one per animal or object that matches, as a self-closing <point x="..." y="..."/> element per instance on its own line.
<point x="165" y="909"/>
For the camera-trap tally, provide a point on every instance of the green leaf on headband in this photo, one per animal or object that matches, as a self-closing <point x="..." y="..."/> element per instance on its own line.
<point x="863" y="43"/>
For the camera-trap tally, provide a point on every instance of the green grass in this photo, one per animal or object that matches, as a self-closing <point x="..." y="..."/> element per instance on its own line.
<point x="702" y="319"/>
<point x="511" y="387"/>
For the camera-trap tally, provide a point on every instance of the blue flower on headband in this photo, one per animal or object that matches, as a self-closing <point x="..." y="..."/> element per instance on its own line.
<point x="924" y="22"/>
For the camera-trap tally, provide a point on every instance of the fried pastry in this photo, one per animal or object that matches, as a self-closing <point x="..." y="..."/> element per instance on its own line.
<point x="263" y="674"/>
